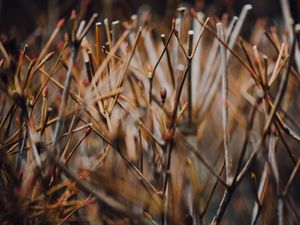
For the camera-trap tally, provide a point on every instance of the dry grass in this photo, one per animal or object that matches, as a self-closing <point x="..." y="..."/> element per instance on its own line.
<point x="194" y="127"/>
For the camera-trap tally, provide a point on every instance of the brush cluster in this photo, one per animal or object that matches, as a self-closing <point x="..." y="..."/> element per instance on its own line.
<point x="122" y="123"/>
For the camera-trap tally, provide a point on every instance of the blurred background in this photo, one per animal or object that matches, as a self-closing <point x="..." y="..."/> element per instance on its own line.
<point x="24" y="16"/>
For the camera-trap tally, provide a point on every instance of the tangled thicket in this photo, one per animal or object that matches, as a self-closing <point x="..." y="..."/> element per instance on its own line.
<point x="121" y="124"/>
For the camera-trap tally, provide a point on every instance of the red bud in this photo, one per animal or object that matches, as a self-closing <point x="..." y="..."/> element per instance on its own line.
<point x="45" y="91"/>
<point x="193" y="12"/>
<point x="87" y="131"/>
<point x="163" y="94"/>
<point x="85" y="82"/>
<point x="73" y="14"/>
<point x="60" y="23"/>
